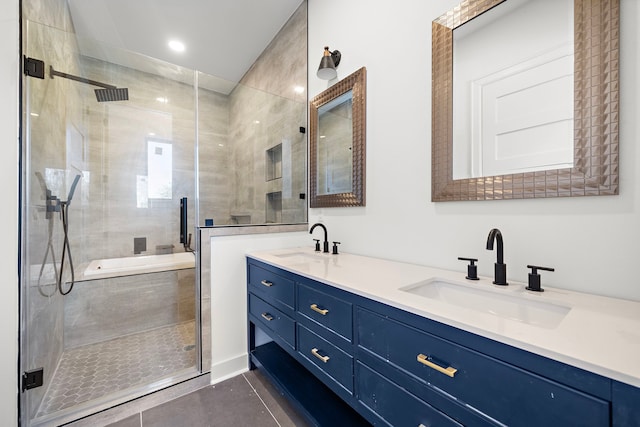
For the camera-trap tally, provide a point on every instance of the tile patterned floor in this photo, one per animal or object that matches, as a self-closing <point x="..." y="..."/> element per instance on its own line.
<point x="93" y="371"/>
<point x="245" y="400"/>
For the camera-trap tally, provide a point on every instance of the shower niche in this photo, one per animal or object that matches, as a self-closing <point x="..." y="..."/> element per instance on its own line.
<point x="273" y="199"/>
<point x="274" y="162"/>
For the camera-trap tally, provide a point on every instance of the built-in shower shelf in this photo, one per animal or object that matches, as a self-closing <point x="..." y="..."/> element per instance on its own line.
<point x="273" y="159"/>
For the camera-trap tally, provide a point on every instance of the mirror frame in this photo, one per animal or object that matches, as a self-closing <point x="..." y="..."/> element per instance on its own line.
<point x="356" y="82"/>
<point x="596" y="112"/>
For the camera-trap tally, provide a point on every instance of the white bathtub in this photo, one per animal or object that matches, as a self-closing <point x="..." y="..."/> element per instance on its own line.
<point x="114" y="267"/>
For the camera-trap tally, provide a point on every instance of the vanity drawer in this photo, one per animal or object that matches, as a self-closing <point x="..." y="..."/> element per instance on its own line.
<point x="273" y="319"/>
<point x="272" y="287"/>
<point x="394" y="404"/>
<point x="327" y="357"/>
<point x="501" y="391"/>
<point x="330" y="312"/>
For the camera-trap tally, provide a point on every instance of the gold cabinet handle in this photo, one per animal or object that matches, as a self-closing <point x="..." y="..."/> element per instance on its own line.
<point x="449" y="371"/>
<point x="267" y="283"/>
<point x="324" y="359"/>
<point x="267" y="317"/>
<point x="322" y="311"/>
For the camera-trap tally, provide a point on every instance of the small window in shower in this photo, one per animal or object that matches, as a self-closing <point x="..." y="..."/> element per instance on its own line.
<point x="159" y="169"/>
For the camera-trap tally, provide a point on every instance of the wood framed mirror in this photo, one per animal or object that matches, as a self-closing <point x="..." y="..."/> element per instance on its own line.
<point x="595" y="111"/>
<point x="337" y="144"/>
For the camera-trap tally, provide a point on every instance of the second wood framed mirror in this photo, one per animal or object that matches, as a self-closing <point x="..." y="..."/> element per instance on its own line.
<point x="592" y="123"/>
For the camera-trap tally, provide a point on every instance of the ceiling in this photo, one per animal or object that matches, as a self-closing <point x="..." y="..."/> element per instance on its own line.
<point x="223" y="38"/>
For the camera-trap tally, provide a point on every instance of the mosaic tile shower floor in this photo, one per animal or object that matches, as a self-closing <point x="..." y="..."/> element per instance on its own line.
<point x="93" y="371"/>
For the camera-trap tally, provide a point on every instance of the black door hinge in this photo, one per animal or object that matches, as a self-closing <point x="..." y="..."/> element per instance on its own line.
<point x="34" y="67"/>
<point x="32" y="379"/>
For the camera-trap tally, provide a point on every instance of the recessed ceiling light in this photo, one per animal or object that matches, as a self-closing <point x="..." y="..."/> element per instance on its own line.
<point x="176" y="45"/>
<point x="299" y="89"/>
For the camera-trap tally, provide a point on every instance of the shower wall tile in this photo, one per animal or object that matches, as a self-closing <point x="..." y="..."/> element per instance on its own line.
<point x="105" y="309"/>
<point x="53" y="13"/>
<point x="266" y="111"/>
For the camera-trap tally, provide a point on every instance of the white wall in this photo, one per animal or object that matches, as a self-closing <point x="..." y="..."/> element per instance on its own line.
<point x="593" y="242"/>
<point x="9" y="77"/>
<point x="229" y="296"/>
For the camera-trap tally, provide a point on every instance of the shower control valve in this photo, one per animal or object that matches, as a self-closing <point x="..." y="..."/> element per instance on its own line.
<point x="53" y="205"/>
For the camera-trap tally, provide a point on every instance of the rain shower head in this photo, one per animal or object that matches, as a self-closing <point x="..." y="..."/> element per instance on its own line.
<point x="115" y="94"/>
<point x="107" y="94"/>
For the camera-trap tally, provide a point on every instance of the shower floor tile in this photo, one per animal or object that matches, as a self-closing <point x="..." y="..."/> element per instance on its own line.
<point x="93" y="371"/>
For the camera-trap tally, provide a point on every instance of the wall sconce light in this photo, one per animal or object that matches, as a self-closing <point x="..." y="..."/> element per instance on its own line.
<point x="328" y="64"/>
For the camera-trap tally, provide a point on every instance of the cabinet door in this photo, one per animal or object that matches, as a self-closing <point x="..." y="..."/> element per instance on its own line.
<point x="502" y="392"/>
<point x="272" y="319"/>
<point x="393" y="404"/>
<point x="276" y="289"/>
<point x="328" y="358"/>
<point x="625" y="405"/>
<point x="333" y="314"/>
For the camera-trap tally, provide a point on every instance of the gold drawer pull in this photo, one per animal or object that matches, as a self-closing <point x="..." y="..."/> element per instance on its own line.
<point x="267" y="317"/>
<point x="324" y="359"/>
<point x="449" y="371"/>
<point x="322" y="311"/>
<point x="267" y="283"/>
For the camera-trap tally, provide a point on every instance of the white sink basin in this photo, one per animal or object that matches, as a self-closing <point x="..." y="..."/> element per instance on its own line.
<point x="300" y="257"/>
<point x="493" y="301"/>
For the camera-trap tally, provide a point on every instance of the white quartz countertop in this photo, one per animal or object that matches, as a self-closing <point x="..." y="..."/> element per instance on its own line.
<point x="598" y="334"/>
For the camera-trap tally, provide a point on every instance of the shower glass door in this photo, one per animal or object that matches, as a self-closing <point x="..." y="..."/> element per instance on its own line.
<point x="109" y="295"/>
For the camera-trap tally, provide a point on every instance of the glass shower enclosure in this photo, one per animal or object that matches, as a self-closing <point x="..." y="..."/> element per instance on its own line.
<point x="110" y="301"/>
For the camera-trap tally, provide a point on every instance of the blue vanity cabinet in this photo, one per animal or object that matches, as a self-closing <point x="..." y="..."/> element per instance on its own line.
<point x="371" y="363"/>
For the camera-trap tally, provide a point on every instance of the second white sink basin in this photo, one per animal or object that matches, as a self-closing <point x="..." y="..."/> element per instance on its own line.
<point x="493" y="301"/>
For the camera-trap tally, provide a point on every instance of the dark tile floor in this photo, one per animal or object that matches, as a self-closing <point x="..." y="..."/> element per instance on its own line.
<point x="245" y="400"/>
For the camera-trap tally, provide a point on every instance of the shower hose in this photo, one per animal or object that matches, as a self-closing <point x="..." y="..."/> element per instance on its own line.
<point x="66" y="249"/>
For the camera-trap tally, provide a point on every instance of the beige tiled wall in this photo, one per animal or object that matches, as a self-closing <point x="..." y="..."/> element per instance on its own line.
<point x="109" y="308"/>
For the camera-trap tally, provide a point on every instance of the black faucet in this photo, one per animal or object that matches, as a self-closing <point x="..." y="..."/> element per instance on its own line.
<point x="326" y="239"/>
<point x="500" y="268"/>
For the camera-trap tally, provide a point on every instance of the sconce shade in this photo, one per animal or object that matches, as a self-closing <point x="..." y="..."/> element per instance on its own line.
<point x="328" y="64"/>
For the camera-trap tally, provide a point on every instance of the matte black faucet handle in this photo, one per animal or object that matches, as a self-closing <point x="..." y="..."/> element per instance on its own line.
<point x="534" y="278"/>
<point x="335" y="248"/>
<point x="317" y="244"/>
<point x="472" y="269"/>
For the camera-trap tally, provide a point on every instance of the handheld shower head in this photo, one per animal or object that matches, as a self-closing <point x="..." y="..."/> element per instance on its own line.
<point x="73" y="189"/>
